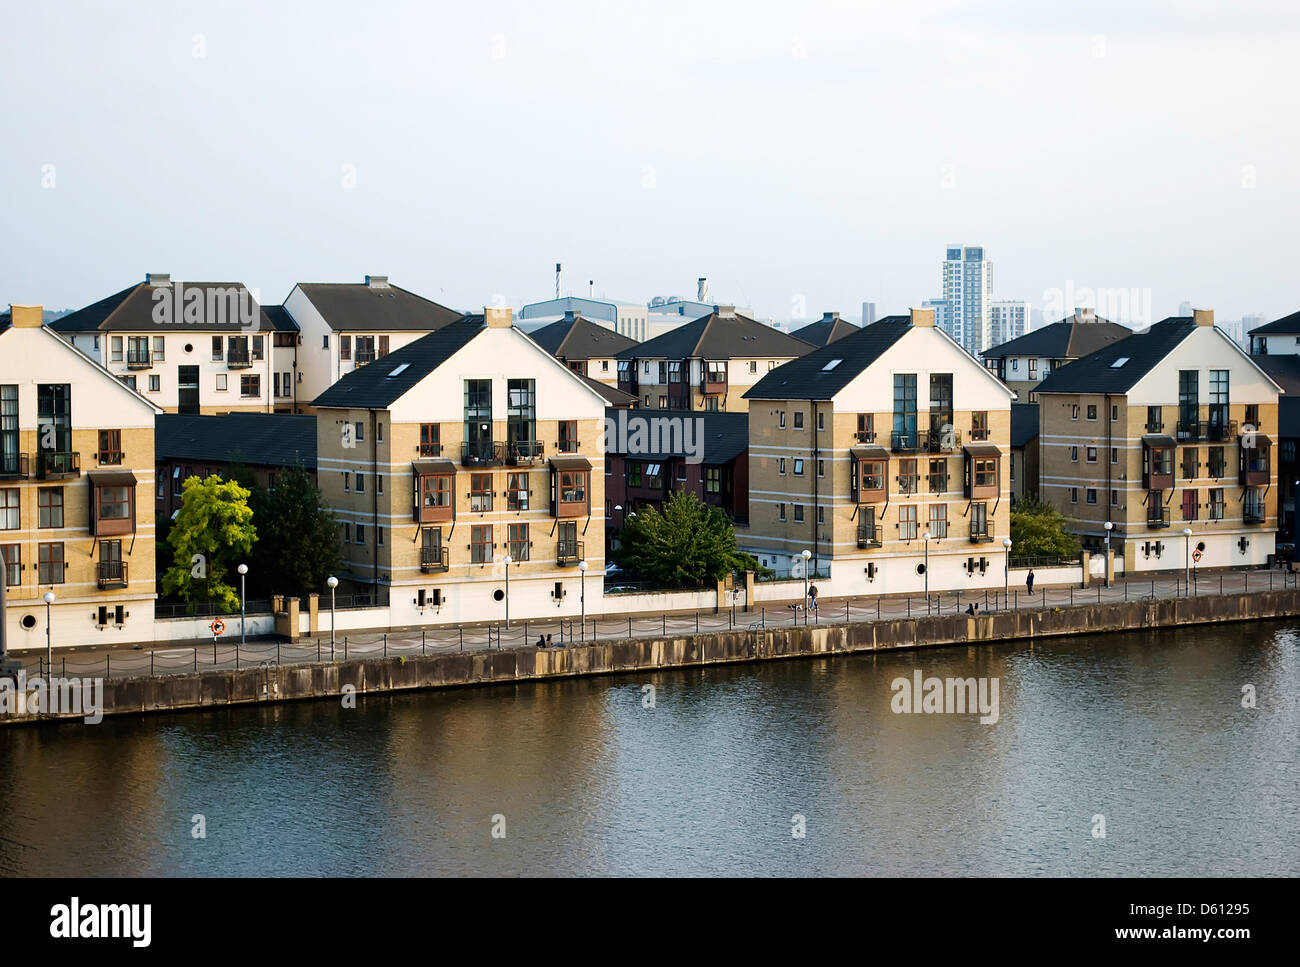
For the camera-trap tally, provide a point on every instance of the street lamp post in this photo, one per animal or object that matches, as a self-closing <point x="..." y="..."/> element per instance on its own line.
<point x="1006" y="573"/>
<point x="507" y="561"/>
<point x="582" y="599"/>
<point x="333" y="583"/>
<point x="1187" y="560"/>
<point x="1109" y="528"/>
<point x="49" y="650"/>
<point x="243" y="573"/>
<point x="926" y="535"/>
<point x="806" y="555"/>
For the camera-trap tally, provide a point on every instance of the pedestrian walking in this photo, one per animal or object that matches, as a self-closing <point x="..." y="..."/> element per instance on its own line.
<point x="812" y="598"/>
<point x="1029" y="581"/>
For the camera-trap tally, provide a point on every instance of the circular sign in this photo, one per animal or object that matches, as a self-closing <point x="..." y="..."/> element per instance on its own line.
<point x="218" y="626"/>
<point x="1196" y="555"/>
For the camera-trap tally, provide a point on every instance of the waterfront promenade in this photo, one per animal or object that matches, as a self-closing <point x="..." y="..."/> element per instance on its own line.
<point x="228" y="654"/>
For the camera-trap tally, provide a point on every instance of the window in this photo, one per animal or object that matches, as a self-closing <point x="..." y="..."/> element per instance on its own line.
<point x="821" y="421"/>
<point x="1074" y="411"/>
<point x="1155" y="419"/>
<point x="1092" y="495"/>
<point x="361" y="533"/>
<point x="798" y="419"/>
<point x="753" y="365"/>
<point x="49" y="507"/>
<point x="938" y="523"/>
<point x="1188" y="402"/>
<point x="821" y="468"/>
<point x="155" y="383"/>
<point x="798" y="513"/>
<point x="798" y="467"/>
<point x="361" y="482"/>
<point x="1074" y="495"/>
<point x="54" y="409"/>
<point x="938" y="476"/>
<point x="907" y="522"/>
<point x="866" y="432"/>
<point x="480" y="544"/>
<point x="346" y="477"/>
<point x="480" y="492"/>
<point x="1191" y="463"/>
<point x="129" y="381"/>
<point x="379" y="433"/>
<point x="1216" y="503"/>
<point x="1219" y="400"/>
<point x="821" y="515"/>
<point x="9" y="460"/>
<point x="1092" y="411"/>
<point x="1252" y="413"/>
<point x="654" y="476"/>
<point x="50" y="564"/>
<point x="904" y="410"/>
<point x="347" y="533"/>
<point x="114" y="503"/>
<point x="217" y="352"/>
<point x="979" y="520"/>
<point x="10" y="514"/>
<point x="517" y="541"/>
<point x="986" y="472"/>
<point x="781" y="421"/>
<point x="568" y="439"/>
<point x="979" y="425"/>
<point x="674" y="371"/>
<point x="250" y="384"/>
<point x="221" y="382"/>
<point x="780" y="466"/>
<point x="908" y="478"/>
<point x="1114" y="413"/>
<point x="110" y="447"/>
<point x="780" y="511"/>
<point x="1114" y="454"/>
<point x="1092" y="454"/>
<point x="1074" y="454"/>
<point x="257" y="347"/>
<point x="604" y="365"/>
<point x="573" y="486"/>
<point x="116" y="351"/>
<point x="430" y="445"/>
<point x="1189" y="505"/>
<point x="360" y="432"/>
<point x="1114" y="498"/>
<point x="159" y="346"/>
<point x="383" y="345"/>
<point x="325" y="341"/>
<point x="345" y="347"/>
<point x="712" y="480"/>
<point x="1033" y="368"/>
<point x="435" y="490"/>
<point x="379" y="536"/>
<point x="940" y="403"/>
<point x="11" y="555"/>
<point x="1217" y="463"/>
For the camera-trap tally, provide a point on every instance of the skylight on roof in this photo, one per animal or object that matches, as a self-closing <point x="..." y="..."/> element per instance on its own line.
<point x="399" y="370"/>
<point x="1119" y="362"/>
<point x="831" y="365"/>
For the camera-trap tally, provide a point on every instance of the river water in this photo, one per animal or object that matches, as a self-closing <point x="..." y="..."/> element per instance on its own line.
<point x="580" y="777"/>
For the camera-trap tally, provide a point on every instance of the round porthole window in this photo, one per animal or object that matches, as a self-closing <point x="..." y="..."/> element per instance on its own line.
<point x="498" y="594"/>
<point x="189" y="347"/>
<point x="29" y="621"/>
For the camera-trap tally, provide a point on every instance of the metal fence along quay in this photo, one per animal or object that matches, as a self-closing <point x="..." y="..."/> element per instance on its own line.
<point x="557" y="633"/>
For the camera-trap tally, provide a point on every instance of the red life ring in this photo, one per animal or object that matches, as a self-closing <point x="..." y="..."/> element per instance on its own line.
<point x="218" y="626"/>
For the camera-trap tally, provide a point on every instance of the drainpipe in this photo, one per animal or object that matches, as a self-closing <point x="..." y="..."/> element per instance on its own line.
<point x="374" y="500"/>
<point x="1109" y="482"/>
<point x="812" y="419"/>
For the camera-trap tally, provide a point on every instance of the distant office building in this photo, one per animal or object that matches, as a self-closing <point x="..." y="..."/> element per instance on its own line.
<point x="1184" y="308"/>
<point x="625" y="318"/>
<point x="868" y="313"/>
<point x="1009" y="320"/>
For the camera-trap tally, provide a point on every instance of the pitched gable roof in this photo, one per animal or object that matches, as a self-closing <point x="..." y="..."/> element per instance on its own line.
<point x="720" y="335"/>
<point x="1103" y="372"/>
<point x="377" y="385"/>
<point x="134" y="309"/>
<point x="257" y="439"/>
<point x="1024" y="423"/>
<point x="1068" y="339"/>
<point x="1286" y="326"/>
<point x="826" y="330"/>
<point x="722" y="436"/>
<point x="579" y="338"/>
<point x="808" y="376"/>
<point x="359" y="307"/>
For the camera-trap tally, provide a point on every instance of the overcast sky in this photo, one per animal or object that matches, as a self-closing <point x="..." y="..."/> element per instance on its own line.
<point x="805" y="157"/>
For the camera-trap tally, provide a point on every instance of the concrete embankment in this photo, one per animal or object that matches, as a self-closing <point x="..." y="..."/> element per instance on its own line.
<point x="271" y="683"/>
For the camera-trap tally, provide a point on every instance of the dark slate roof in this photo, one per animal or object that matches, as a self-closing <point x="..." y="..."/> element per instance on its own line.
<point x="1283" y="370"/>
<point x="579" y="338"/>
<point x="1286" y="326"/>
<point x="278" y="319"/>
<point x="1024" y="423"/>
<point x="6" y="320"/>
<point x="257" y="439"/>
<point x="725" y="435"/>
<point x="371" y="386"/>
<point x="1095" y="373"/>
<point x="1068" y="339"/>
<point x="363" y="308"/>
<point x="132" y="310"/>
<point x="613" y="395"/>
<point x="826" y="330"/>
<point x="720" y="335"/>
<point x="806" y="377"/>
<point x="1288" y="417"/>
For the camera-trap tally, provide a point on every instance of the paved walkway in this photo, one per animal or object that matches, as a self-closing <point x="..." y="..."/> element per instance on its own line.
<point x="166" y="659"/>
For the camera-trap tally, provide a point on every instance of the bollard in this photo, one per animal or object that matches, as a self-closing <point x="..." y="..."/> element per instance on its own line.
<point x="108" y="666"/>
<point x="909" y="606"/>
<point x="629" y="626"/>
<point x="762" y="618"/>
<point x="318" y="649"/>
<point x="345" y="647"/>
<point x="65" y="665"/>
<point x="196" y="661"/>
<point x="1072" y="595"/>
<point x="664" y="621"/>
<point x="877" y="608"/>
<point x="385" y="644"/>
<point x="697" y="622"/>
<point x="422" y="637"/>
<point x="277" y="651"/>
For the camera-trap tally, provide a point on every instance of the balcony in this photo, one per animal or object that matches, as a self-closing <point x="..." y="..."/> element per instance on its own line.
<point x="938" y="483"/>
<point x="482" y="453"/>
<point x="15" y="465"/>
<point x="1254" y="513"/>
<point x="364" y="356"/>
<point x="111" y="575"/>
<point x="865" y="436"/>
<point x="713" y="383"/>
<point x="430" y="449"/>
<point x="568" y="553"/>
<point x="433" y="560"/>
<point x="909" y="483"/>
<point x="869" y="535"/>
<point x="568" y="446"/>
<point x="1211" y="431"/>
<point x="1253" y="466"/>
<point x="1157" y="517"/>
<point x="936" y="441"/>
<point x="1157" y="427"/>
<point x="524" y="452"/>
<point x="627" y="382"/>
<point x="903" y="441"/>
<point x="138" y="359"/>
<point x="236" y="359"/>
<point x="981" y="533"/>
<point x="978" y="433"/>
<point x="51" y="464"/>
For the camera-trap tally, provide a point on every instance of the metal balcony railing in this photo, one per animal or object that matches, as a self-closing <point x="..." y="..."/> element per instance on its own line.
<point x="869" y="535"/>
<point x="483" y="453"/>
<point x="865" y="436"/>
<point x="433" y="559"/>
<point x="430" y="449"/>
<point x="1158" y="516"/>
<point x="138" y="359"/>
<point x="236" y="359"/>
<point x="57" y="463"/>
<point x="568" y="553"/>
<point x="903" y="441"/>
<point x="15" y="465"/>
<point x="981" y="533"/>
<point x="525" y="451"/>
<point x="364" y="356"/>
<point x="111" y="574"/>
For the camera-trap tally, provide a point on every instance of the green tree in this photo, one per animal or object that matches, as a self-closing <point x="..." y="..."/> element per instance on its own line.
<point x="213" y="532"/>
<point x="298" y="538"/>
<point x="686" y="545"/>
<point x="1038" y="530"/>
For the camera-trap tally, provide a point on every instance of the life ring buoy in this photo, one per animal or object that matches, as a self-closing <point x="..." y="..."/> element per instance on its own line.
<point x="218" y="626"/>
<point x="1196" y="555"/>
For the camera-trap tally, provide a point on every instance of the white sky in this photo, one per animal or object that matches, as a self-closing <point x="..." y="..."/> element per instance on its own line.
<point x="796" y="154"/>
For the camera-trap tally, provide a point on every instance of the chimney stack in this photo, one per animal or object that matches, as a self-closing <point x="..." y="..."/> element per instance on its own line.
<point x="703" y="294"/>
<point x="26" y="317"/>
<point x="830" y="317"/>
<point x="570" y="315"/>
<point x="923" y="318"/>
<point x="1203" y="317"/>
<point x="498" y="317"/>
<point x="1085" y="314"/>
<point x="376" y="282"/>
<point x="158" y="278"/>
<point x="591" y="288"/>
<point x="559" y="281"/>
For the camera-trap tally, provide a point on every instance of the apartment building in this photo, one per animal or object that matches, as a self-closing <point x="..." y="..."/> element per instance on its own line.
<point x="191" y="347"/>
<point x="881" y="453"/>
<point x="1167" y="430"/>
<point x="76" y="479"/>
<point x="585" y="347"/>
<point x="187" y="445"/>
<point x="1025" y="362"/>
<point x="706" y="364"/>
<point x="1281" y="337"/>
<point x="464" y="448"/>
<point x="825" y="330"/>
<point x="343" y="326"/>
<point x="705" y="453"/>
